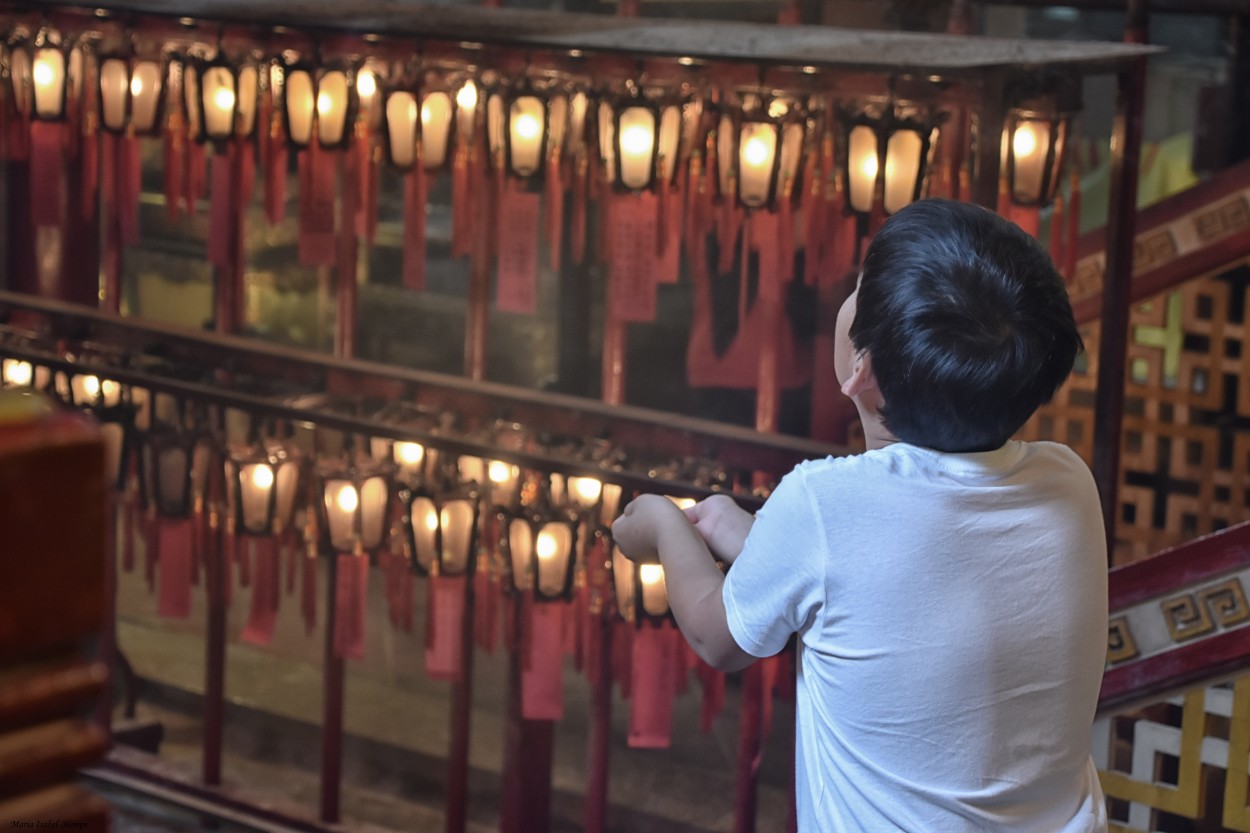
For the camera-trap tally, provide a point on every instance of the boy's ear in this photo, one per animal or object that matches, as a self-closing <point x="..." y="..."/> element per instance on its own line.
<point x="862" y="379"/>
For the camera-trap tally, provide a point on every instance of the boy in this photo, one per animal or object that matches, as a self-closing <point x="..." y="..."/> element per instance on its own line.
<point x="948" y="586"/>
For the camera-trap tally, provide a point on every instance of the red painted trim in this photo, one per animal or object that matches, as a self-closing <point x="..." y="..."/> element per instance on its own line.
<point x="1202" y="661"/>
<point x="1172" y="570"/>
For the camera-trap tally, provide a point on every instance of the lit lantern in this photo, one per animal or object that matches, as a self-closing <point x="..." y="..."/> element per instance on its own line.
<point x="408" y="458"/>
<point x="42" y="73"/>
<point x="428" y="113"/>
<point x="905" y="138"/>
<point x="368" y="90"/>
<point x="16" y="373"/>
<point x="319" y="100"/>
<point x="354" y="507"/>
<point x="760" y="147"/>
<point x="89" y="391"/>
<point x="170" y="470"/>
<point x="639" y="139"/>
<point x="517" y="122"/>
<point x="132" y="94"/>
<point x="441" y="528"/>
<point x="221" y="97"/>
<point x="263" y="486"/>
<point x="500" y="481"/>
<point x="641" y="594"/>
<point x="1036" y="138"/>
<point x="540" y="547"/>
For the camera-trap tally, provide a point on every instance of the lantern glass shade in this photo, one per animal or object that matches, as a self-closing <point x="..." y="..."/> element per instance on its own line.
<point x="300" y="103"/>
<point x="424" y="520"/>
<point x="670" y="141"/>
<point x="521" y="551"/>
<point x="256" y="492"/>
<point x="904" y="160"/>
<point x="333" y="102"/>
<point x="16" y="373"/>
<point x="792" y="136"/>
<point x="147" y="86"/>
<point x="610" y="504"/>
<point x="654" y="593"/>
<point x="466" y="110"/>
<point x="1034" y="155"/>
<point x="503" y="479"/>
<point x="249" y="97"/>
<point x="585" y="491"/>
<point x="173" y="480"/>
<point x="725" y="154"/>
<point x="636" y="146"/>
<point x="91" y="391"/>
<point x="401" y="129"/>
<point x="288" y="487"/>
<point x="457" y="522"/>
<point x="220" y="95"/>
<point x="19" y="72"/>
<point x="115" y="93"/>
<point x="607" y="139"/>
<point x="862" y="167"/>
<point x="191" y="100"/>
<point x="575" y="137"/>
<point x="48" y="73"/>
<point x="527" y="132"/>
<point x="436" y="115"/>
<point x="375" y="495"/>
<point x="553" y="550"/>
<point x="757" y="158"/>
<point x="623" y="583"/>
<point x="342" y="501"/>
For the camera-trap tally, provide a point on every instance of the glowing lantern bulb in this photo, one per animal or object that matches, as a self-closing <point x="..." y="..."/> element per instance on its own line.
<point x="869" y="165"/>
<point x="409" y="454"/>
<point x="262" y="477"/>
<point x="324" y="104"/>
<point x="587" y="488"/>
<point x="1024" y="143"/>
<point x="347" y="499"/>
<point x="431" y="521"/>
<point x="637" y="140"/>
<point x="366" y="84"/>
<point x="136" y="86"/>
<point x="651" y="573"/>
<point x="466" y="96"/>
<point x="224" y="99"/>
<point x="91" y="386"/>
<point x="545" y="546"/>
<point x="18" y="373"/>
<point x="499" y="472"/>
<point x="755" y="153"/>
<point x="527" y="127"/>
<point x="43" y="73"/>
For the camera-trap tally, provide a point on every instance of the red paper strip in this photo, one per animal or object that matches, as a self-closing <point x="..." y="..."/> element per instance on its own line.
<point x="350" y="594"/>
<point x="444" y="644"/>
<point x="173" y="598"/>
<point x="220" y="211"/>
<point x="542" y="680"/>
<point x="728" y="226"/>
<point x="1026" y="217"/>
<point x="555" y="211"/>
<point x="485" y="611"/>
<point x="263" y="614"/>
<point x="462" y="205"/>
<point x="275" y="176"/>
<point x="577" y="226"/>
<point x="308" y="592"/>
<point x="414" y="229"/>
<point x="174" y="141"/>
<point x="129" y="187"/>
<point x="653" y="668"/>
<point x="623" y="656"/>
<point x="517" y="289"/>
<point x="316" y="207"/>
<point x="713" y="684"/>
<point x="47" y="166"/>
<point x="632" y="261"/>
<point x="765" y="229"/>
<point x="89" y="195"/>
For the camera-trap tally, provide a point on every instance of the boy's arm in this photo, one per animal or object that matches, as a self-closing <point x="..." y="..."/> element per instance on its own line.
<point x="722" y="524"/>
<point x="652" y="525"/>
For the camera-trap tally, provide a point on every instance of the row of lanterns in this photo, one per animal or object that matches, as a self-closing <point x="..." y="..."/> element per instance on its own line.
<point x="442" y="497"/>
<point x="644" y="127"/>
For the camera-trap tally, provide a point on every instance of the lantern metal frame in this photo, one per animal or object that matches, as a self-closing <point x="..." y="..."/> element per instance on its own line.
<point x="159" y="439"/>
<point x="27" y="101"/>
<point x="451" y="492"/>
<point x="656" y="99"/>
<point x="123" y="413"/>
<point x="501" y="149"/>
<point x="132" y="60"/>
<point x="1057" y="106"/>
<point x="200" y="66"/>
<point x="276" y="458"/>
<point x="419" y="83"/>
<point x="537" y="517"/>
<point x="885" y="119"/>
<point x="752" y="106"/>
<point x="317" y="70"/>
<point x="356" y="470"/>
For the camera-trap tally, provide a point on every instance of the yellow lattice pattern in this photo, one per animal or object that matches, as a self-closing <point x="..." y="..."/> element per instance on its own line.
<point x="1185" y="454"/>
<point x="1175" y="757"/>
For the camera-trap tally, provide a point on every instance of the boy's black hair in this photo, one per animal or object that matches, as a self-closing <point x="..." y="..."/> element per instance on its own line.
<point x="967" y="322"/>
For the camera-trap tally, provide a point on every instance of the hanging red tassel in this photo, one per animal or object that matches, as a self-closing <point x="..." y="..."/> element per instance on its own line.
<point x="667" y="242"/>
<point x="317" y="170"/>
<point x="276" y="161"/>
<point x="195" y="178"/>
<point x="151" y="548"/>
<point x="554" y="215"/>
<point x="173" y="598"/>
<point x="728" y="227"/>
<point x="220" y="211"/>
<point x="308" y="592"/>
<point x="350" y="593"/>
<point x="1026" y="217"/>
<point x="47" y="165"/>
<point x="462" y="203"/>
<point x="713" y="684"/>
<point x="174" y="142"/>
<point x="631" y="256"/>
<point x="485" y="610"/>
<point x="89" y="194"/>
<point x="542" y="669"/>
<point x="764" y="236"/>
<point x="225" y="552"/>
<point x="129" y="509"/>
<point x="292" y="545"/>
<point x="242" y="556"/>
<point x="653" y="670"/>
<point x="129" y="187"/>
<point x="622" y="658"/>
<point x="577" y="226"/>
<point x="414" y="228"/>
<point x="517" y="283"/>
<point x="263" y="614"/>
<point x="444" y="614"/>
<point x="347" y="247"/>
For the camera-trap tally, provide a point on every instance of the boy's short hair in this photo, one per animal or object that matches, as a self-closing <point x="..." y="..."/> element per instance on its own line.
<point x="967" y="322"/>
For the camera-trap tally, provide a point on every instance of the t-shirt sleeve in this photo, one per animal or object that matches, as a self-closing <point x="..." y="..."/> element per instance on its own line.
<point x="776" y="586"/>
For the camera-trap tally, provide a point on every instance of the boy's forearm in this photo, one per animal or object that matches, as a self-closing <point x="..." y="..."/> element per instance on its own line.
<point x="694" y="585"/>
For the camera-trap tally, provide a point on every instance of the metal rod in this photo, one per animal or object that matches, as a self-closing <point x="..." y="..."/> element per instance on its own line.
<point x="332" y="714"/>
<point x="1126" y="140"/>
<point x="478" y="316"/>
<point x="991" y="117"/>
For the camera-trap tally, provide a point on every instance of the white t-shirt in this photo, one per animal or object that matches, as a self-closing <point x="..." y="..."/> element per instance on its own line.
<point x="952" y="617"/>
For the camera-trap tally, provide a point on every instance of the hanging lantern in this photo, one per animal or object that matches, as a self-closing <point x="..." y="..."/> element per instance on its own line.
<point x="43" y="71"/>
<point x="581" y="494"/>
<point x="540" y="547"/>
<point x="434" y="112"/>
<point x="319" y="100"/>
<point x="499" y="481"/>
<point x="901" y="134"/>
<point x="441" y="527"/>
<point x="132" y="94"/>
<point x="518" y="121"/>
<point x="1036" y="138"/>
<point x="169" y="468"/>
<point x="641" y="594"/>
<point x="220" y="97"/>
<point x="263" y="484"/>
<point x="409" y="459"/>
<point x="353" y="507"/>
<point x="759" y="147"/>
<point x="640" y="138"/>
<point x="88" y="391"/>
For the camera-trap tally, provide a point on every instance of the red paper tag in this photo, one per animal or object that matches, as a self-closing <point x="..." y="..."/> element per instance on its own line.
<point x="444" y="645"/>
<point x="263" y="612"/>
<point x="632" y="261"/>
<point x="485" y="611"/>
<point x="220" y="211"/>
<point x="316" y="207"/>
<point x="350" y="593"/>
<point x="414" y="229"/>
<point x="47" y="165"/>
<point x="555" y="212"/>
<point x="651" y="698"/>
<point x="542" y="681"/>
<point x="90" y="179"/>
<point x="764" y="229"/>
<point x="518" y="252"/>
<point x="173" y="598"/>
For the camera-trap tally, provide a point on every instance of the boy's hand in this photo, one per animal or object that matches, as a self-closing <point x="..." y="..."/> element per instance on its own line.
<point x="723" y="524"/>
<point x="638" y="529"/>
